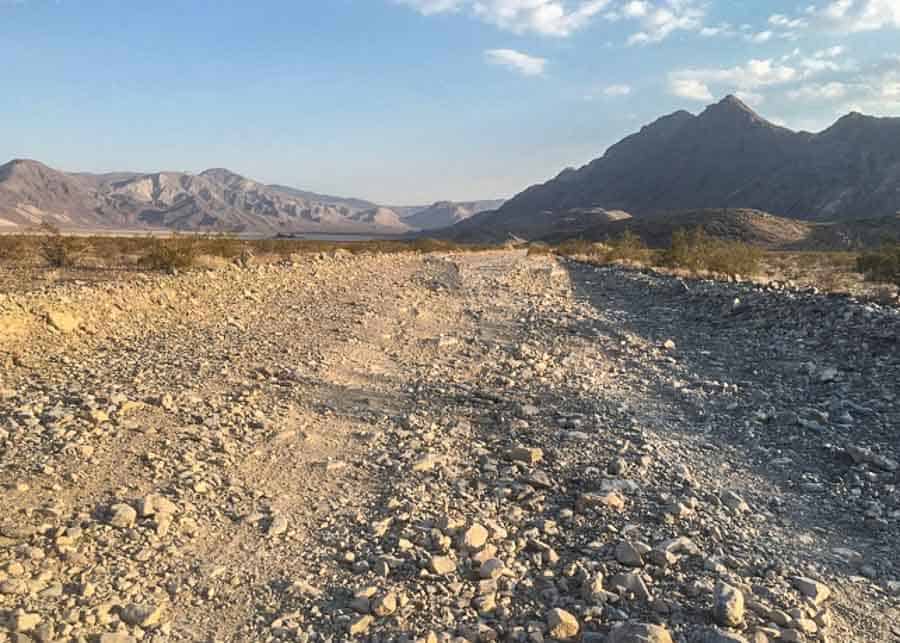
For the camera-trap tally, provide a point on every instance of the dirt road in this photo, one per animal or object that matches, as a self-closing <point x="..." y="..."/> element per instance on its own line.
<point x="487" y="446"/>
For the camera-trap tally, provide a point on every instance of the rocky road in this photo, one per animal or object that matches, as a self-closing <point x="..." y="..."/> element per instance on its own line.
<point x="469" y="447"/>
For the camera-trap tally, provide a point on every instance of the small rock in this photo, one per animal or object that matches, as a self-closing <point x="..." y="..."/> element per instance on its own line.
<point x="122" y="515"/>
<point x="728" y="605"/>
<point x="562" y="625"/>
<point x="442" y="565"/>
<point x="812" y="589"/>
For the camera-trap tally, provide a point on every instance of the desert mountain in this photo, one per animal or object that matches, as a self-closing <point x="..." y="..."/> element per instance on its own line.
<point x="726" y="157"/>
<point x="214" y="200"/>
<point x="447" y="213"/>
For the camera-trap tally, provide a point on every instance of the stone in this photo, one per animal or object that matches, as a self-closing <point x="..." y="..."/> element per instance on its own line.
<point x="734" y="502"/>
<point x="116" y="637"/>
<point x="715" y="635"/>
<point x="628" y="555"/>
<point x="561" y="625"/>
<point x="122" y="515"/>
<point x="632" y="583"/>
<point x="360" y="625"/>
<point x="612" y="500"/>
<point x="425" y="463"/>
<point x="812" y="589"/>
<point x="525" y="454"/>
<point x="475" y="537"/>
<point x="24" y="622"/>
<point x="385" y="604"/>
<point x="63" y="322"/>
<point x="154" y="504"/>
<point x="728" y="605"/>
<point x="639" y="633"/>
<point x="278" y="526"/>
<point x="442" y="565"/>
<point x="141" y="615"/>
<point x="492" y="568"/>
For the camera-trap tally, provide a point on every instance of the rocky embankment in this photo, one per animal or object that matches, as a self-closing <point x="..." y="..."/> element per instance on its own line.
<point x="457" y="448"/>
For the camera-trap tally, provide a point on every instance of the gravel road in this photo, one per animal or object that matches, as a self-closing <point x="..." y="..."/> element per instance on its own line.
<point x="470" y="447"/>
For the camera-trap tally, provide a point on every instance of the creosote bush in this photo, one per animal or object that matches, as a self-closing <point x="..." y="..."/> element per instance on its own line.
<point x="59" y="250"/>
<point x="696" y="251"/>
<point x="882" y="265"/>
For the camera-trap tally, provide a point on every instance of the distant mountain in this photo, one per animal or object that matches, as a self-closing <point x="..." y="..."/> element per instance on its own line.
<point x="446" y="213"/>
<point x="726" y="157"/>
<point x="216" y="200"/>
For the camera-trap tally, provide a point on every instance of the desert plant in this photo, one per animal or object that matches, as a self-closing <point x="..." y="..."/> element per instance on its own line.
<point x="178" y="252"/>
<point x="881" y="265"/>
<point x="695" y="250"/>
<point x="59" y="250"/>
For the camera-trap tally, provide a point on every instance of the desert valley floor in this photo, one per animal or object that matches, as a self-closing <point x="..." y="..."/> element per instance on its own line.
<point x="470" y="447"/>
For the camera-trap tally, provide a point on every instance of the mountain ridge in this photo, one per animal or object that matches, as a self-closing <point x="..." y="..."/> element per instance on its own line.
<point x="214" y="200"/>
<point x="728" y="156"/>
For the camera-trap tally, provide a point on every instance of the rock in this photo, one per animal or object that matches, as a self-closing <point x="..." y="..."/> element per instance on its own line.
<point x="639" y="633"/>
<point x="141" y="615"/>
<point x="154" y="504"/>
<point x="425" y="463"/>
<point x="812" y="589"/>
<point x="734" y="502"/>
<point x="525" y="454"/>
<point x="632" y="583"/>
<point x="627" y="554"/>
<point x="562" y="625"/>
<point x="122" y="515"/>
<point x="475" y="537"/>
<point x="492" y="568"/>
<point x="278" y="526"/>
<point x="728" y="605"/>
<point x="116" y="637"/>
<point x="385" y="605"/>
<point x="715" y="635"/>
<point x="442" y="565"/>
<point x="24" y="622"/>
<point x="360" y="625"/>
<point x="63" y="322"/>
<point x="612" y="500"/>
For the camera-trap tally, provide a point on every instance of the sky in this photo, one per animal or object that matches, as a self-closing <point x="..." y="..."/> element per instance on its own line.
<point x="413" y="101"/>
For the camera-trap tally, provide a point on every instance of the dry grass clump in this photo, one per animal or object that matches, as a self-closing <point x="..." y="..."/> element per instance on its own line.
<point x="697" y="251"/>
<point x="625" y="248"/>
<point x="882" y="265"/>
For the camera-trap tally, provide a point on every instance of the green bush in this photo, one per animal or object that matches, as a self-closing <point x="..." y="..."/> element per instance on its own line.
<point x="882" y="265"/>
<point x="178" y="252"/>
<point x="59" y="250"/>
<point x="695" y="250"/>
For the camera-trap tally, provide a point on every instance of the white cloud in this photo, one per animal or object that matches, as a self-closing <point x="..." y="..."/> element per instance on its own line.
<point x="544" y="17"/>
<point x="689" y="88"/>
<point x="751" y="98"/>
<point x="849" y="15"/>
<point x="753" y="75"/>
<point x="761" y="37"/>
<point x="517" y="61"/>
<point x="828" y="91"/>
<point x="430" y="7"/>
<point x="781" y="20"/>
<point x="664" y="18"/>
<point x="617" y="90"/>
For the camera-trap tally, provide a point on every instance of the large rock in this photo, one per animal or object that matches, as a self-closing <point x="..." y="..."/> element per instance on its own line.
<point x="561" y="625"/>
<point x="728" y="605"/>
<point x="639" y="633"/>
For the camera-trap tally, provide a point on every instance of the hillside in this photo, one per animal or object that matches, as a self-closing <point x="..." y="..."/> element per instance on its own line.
<point x="728" y="156"/>
<point x="216" y="200"/>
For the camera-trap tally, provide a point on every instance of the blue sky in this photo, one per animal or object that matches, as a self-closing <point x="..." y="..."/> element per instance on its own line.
<point x="409" y="101"/>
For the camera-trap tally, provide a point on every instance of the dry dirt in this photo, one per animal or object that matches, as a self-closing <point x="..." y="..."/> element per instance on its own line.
<point x="470" y="447"/>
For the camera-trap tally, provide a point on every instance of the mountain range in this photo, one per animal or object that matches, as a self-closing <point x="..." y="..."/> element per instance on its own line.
<point x="216" y="200"/>
<point x="727" y="157"/>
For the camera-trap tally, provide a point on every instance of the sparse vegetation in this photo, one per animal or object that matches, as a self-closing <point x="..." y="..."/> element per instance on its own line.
<point x="697" y="251"/>
<point x="59" y="250"/>
<point x="625" y="248"/>
<point x="882" y="265"/>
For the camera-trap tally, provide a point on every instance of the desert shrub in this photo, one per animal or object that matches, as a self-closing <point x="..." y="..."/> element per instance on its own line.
<point x="59" y="250"/>
<point x="16" y="248"/>
<point x="178" y="252"/>
<point x="538" y="249"/>
<point x="696" y="251"/>
<point x="626" y="247"/>
<point x="881" y="265"/>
